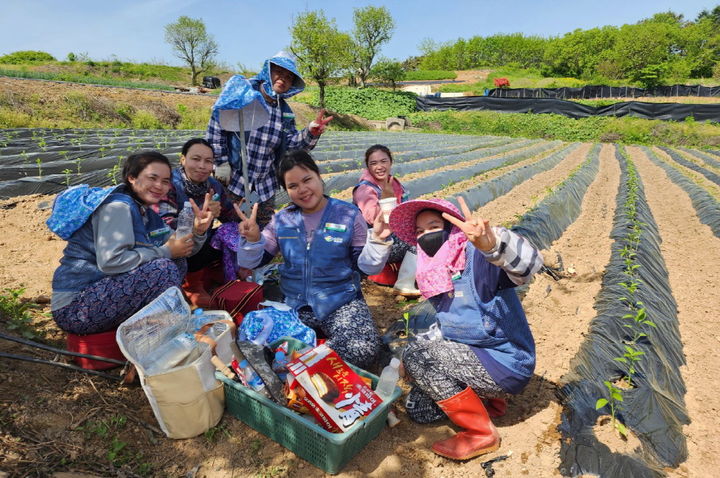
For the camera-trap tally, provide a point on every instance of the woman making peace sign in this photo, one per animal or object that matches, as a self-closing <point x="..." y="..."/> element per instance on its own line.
<point x="467" y="270"/>
<point x="325" y="242"/>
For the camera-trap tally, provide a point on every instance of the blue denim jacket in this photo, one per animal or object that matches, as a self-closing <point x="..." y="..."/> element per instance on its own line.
<point x="78" y="266"/>
<point x="318" y="273"/>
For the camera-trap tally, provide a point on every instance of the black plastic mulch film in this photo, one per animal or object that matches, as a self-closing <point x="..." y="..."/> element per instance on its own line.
<point x="703" y="156"/>
<point x="654" y="410"/>
<point x="486" y="191"/>
<point x="690" y="165"/>
<point x="706" y="206"/>
<point x="572" y="109"/>
<point x="546" y="222"/>
<point x="601" y="91"/>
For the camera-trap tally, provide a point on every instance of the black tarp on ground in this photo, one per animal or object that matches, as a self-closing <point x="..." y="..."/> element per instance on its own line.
<point x="654" y="409"/>
<point x="706" y="206"/>
<point x="599" y="91"/>
<point x="657" y="111"/>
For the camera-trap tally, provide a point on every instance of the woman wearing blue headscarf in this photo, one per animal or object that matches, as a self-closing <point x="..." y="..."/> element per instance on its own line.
<point x="278" y="81"/>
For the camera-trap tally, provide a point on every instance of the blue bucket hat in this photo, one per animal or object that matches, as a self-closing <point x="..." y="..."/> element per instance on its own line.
<point x="283" y="60"/>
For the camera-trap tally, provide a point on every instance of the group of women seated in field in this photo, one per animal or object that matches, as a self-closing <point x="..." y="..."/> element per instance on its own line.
<point x="127" y="254"/>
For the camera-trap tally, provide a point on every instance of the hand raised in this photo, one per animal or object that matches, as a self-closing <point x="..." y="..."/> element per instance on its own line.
<point x="203" y="217"/>
<point x="381" y="229"/>
<point x="387" y="188"/>
<point x="478" y="231"/>
<point x="248" y="228"/>
<point x="318" y="125"/>
<point x="215" y="207"/>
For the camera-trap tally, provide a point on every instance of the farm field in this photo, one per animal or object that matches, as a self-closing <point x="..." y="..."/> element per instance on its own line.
<point x="632" y="233"/>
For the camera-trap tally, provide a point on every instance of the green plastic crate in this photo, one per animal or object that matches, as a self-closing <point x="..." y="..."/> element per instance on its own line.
<point x="299" y="433"/>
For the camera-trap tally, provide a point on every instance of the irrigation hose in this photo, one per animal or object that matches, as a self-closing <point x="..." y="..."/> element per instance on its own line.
<point x="63" y="365"/>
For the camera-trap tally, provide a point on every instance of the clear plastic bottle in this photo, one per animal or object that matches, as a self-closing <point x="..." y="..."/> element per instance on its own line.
<point x="252" y="378"/>
<point x="185" y="220"/>
<point x="388" y="379"/>
<point x="199" y="319"/>
<point x="172" y="353"/>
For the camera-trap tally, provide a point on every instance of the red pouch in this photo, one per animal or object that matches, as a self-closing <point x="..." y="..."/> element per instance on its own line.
<point x="102" y="345"/>
<point x="237" y="298"/>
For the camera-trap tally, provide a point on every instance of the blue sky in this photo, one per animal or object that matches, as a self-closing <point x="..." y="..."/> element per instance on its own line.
<point x="248" y="31"/>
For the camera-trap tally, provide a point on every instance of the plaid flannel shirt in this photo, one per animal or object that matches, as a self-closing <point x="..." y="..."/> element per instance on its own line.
<point x="262" y="147"/>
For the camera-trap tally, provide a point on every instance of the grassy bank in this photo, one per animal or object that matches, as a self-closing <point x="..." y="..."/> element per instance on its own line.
<point x="549" y="126"/>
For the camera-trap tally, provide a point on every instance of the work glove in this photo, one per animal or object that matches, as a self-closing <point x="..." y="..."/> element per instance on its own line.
<point x="223" y="172"/>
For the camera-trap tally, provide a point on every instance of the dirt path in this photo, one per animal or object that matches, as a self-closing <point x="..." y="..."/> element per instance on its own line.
<point x="694" y="278"/>
<point x="694" y="176"/>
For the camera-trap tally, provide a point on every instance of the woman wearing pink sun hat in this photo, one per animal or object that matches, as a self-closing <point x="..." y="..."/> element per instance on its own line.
<point x="467" y="270"/>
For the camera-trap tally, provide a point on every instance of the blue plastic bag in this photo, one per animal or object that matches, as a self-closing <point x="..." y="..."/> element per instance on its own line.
<point x="267" y="325"/>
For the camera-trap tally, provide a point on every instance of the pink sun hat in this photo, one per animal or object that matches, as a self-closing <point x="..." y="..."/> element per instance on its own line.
<point x="402" y="218"/>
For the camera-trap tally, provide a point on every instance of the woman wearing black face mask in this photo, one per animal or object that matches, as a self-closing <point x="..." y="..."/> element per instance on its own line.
<point x="468" y="271"/>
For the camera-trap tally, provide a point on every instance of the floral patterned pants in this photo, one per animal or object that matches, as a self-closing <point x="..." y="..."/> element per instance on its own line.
<point x="107" y="303"/>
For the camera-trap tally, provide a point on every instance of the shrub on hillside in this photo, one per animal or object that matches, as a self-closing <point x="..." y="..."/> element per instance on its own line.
<point x="26" y="56"/>
<point x="370" y="103"/>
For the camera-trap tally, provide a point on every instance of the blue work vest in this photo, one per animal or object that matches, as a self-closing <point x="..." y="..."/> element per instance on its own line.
<point x="78" y="266"/>
<point x="318" y="273"/>
<point x="498" y="326"/>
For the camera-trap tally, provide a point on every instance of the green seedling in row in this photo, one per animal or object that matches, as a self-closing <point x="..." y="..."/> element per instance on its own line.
<point x="67" y="172"/>
<point x="38" y="161"/>
<point x="78" y="161"/>
<point x="614" y="403"/>
<point x="639" y="319"/>
<point x="112" y="174"/>
<point x="406" y="319"/>
<point x="630" y="358"/>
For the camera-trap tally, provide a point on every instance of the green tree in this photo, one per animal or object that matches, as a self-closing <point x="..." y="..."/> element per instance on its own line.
<point x="388" y="71"/>
<point x="193" y="44"/>
<point x="578" y="53"/>
<point x="373" y="28"/>
<point x="321" y="49"/>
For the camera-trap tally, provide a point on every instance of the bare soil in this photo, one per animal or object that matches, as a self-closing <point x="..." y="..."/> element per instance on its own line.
<point x="52" y="420"/>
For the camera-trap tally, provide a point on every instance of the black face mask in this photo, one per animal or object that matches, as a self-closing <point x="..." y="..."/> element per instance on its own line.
<point x="431" y="242"/>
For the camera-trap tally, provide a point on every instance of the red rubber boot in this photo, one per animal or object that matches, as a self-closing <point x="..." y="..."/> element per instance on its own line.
<point x="479" y="436"/>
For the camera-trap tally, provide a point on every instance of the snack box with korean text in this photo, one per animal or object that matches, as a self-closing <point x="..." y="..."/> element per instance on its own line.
<point x="335" y="395"/>
<point x="299" y="433"/>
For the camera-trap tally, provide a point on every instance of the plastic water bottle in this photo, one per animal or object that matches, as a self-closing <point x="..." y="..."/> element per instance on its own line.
<point x="252" y="378"/>
<point x="279" y="365"/>
<point x="388" y="379"/>
<point x="185" y="221"/>
<point x="172" y="353"/>
<point x="199" y="319"/>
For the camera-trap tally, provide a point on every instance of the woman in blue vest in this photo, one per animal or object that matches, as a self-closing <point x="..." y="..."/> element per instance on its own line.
<point x="376" y="183"/>
<point x="325" y="244"/>
<point x="193" y="180"/>
<point x="121" y="258"/>
<point x="468" y="271"/>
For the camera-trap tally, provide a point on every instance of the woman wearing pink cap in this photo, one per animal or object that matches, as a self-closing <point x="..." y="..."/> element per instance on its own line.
<point x="467" y="270"/>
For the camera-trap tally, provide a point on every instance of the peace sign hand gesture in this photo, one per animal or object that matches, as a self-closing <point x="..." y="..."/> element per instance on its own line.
<point x="478" y="231"/>
<point x="203" y="217"/>
<point x="248" y="228"/>
<point x="387" y="188"/>
<point x="318" y="125"/>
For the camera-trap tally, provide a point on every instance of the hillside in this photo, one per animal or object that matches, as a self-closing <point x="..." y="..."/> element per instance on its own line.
<point x="48" y="104"/>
